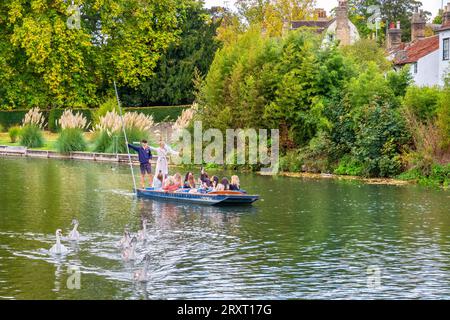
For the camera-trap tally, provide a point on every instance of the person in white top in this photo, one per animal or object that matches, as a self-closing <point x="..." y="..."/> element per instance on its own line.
<point x="162" y="164"/>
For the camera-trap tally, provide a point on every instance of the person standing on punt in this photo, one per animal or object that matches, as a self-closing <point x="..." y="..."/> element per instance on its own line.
<point x="162" y="164"/>
<point x="145" y="155"/>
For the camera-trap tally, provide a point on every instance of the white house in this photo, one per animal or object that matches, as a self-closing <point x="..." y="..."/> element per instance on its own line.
<point x="428" y="57"/>
<point x="339" y="28"/>
<point x="444" y="49"/>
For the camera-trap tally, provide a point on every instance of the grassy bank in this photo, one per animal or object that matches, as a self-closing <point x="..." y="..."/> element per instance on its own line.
<point x="49" y="141"/>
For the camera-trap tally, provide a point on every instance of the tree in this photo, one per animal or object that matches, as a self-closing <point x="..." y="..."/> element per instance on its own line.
<point x="46" y="62"/>
<point x="189" y="57"/>
<point x="273" y="15"/>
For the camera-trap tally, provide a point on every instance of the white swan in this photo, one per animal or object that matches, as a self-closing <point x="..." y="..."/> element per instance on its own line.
<point x="125" y="241"/>
<point x="74" y="235"/>
<point x="58" y="248"/>
<point x="129" y="253"/>
<point x="142" y="234"/>
<point x="141" y="274"/>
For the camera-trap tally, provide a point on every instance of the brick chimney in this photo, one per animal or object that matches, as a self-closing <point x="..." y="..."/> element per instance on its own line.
<point x="342" y="23"/>
<point x="418" y="24"/>
<point x="394" y="39"/>
<point x="321" y="14"/>
<point x="446" y="16"/>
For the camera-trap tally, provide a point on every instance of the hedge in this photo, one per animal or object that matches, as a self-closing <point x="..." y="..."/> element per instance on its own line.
<point x="160" y="114"/>
<point x="14" y="117"/>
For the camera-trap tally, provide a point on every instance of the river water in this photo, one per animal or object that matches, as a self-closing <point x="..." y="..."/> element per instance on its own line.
<point x="305" y="239"/>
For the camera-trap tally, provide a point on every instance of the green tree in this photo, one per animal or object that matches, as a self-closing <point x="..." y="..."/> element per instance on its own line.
<point x="189" y="57"/>
<point x="44" y="62"/>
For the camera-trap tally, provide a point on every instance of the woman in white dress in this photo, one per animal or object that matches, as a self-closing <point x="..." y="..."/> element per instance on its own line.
<point x="162" y="164"/>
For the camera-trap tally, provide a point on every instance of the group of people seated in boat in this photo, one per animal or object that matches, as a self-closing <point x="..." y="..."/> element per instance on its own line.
<point x="175" y="183"/>
<point x="204" y="184"/>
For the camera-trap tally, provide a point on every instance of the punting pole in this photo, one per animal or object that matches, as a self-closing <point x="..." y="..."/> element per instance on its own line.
<point x="125" y="135"/>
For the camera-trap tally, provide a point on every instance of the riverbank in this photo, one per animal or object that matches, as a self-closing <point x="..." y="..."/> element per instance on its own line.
<point x="375" y="181"/>
<point x="16" y="150"/>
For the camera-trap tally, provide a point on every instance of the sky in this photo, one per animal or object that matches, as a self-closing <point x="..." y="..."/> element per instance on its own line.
<point x="429" y="5"/>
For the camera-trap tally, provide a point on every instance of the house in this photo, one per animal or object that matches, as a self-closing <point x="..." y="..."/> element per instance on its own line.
<point x="339" y="28"/>
<point x="428" y="57"/>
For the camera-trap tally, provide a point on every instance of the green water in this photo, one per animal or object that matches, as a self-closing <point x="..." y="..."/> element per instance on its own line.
<point x="312" y="239"/>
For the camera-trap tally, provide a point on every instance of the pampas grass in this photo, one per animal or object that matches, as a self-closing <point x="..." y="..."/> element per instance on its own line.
<point x="71" y="137"/>
<point x="14" y="133"/>
<point x="31" y="133"/>
<point x="69" y="120"/>
<point x="109" y="135"/>
<point x="34" y="117"/>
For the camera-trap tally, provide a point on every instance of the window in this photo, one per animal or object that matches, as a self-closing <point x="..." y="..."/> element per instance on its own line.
<point x="415" y="67"/>
<point x="446" y="49"/>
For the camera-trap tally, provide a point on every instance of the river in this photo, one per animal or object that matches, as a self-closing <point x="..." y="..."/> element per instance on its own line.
<point x="305" y="238"/>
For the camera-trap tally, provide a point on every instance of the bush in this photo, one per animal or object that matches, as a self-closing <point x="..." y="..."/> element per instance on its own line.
<point x="349" y="166"/>
<point x="2" y="129"/>
<point x="14" y="133"/>
<point x="422" y="102"/>
<point x="380" y="139"/>
<point x="438" y="176"/>
<point x="443" y="117"/>
<point x="31" y="136"/>
<point x="71" y="139"/>
<point x="291" y="161"/>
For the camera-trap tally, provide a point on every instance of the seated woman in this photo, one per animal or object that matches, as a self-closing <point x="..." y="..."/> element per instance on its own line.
<point x="170" y="185"/>
<point x="204" y="178"/>
<point x="178" y="179"/>
<point x="225" y="183"/>
<point x="234" y="184"/>
<point x="189" y="181"/>
<point x="158" y="181"/>
<point x="214" y="182"/>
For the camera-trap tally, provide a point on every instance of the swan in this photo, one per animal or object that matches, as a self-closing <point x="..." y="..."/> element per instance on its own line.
<point x="58" y="248"/>
<point x="129" y="253"/>
<point x="125" y="241"/>
<point x="142" y="234"/>
<point x="141" y="274"/>
<point x="74" y="234"/>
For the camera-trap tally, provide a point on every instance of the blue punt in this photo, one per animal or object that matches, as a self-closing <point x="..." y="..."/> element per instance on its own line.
<point x="224" y="198"/>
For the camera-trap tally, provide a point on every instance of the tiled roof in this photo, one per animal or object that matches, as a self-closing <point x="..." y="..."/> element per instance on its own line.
<point x="319" y="25"/>
<point x="416" y="50"/>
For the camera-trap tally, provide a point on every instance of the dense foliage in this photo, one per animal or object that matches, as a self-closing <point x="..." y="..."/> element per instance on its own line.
<point x="336" y="109"/>
<point x="185" y="60"/>
<point x="14" y="133"/>
<point x="71" y="139"/>
<point x="44" y="62"/>
<point x="31" y="136"/>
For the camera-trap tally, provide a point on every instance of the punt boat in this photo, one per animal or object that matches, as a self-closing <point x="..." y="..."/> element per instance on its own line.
<point x="215" y="198"/>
